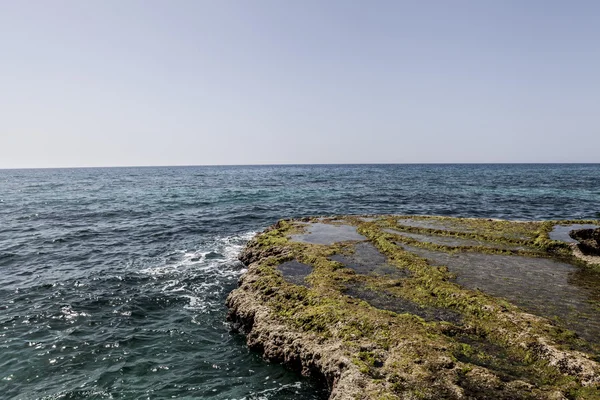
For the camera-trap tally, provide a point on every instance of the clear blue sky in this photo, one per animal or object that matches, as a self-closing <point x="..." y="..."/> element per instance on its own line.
<point x="123" y="82"/>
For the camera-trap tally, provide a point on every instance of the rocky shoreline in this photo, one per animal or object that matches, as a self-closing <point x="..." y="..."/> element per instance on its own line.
<point x="395" y="307"/>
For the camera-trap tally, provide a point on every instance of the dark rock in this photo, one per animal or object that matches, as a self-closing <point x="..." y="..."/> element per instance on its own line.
<point x="589" y="240"/>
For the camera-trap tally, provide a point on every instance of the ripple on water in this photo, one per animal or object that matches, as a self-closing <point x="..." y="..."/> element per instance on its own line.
<point x="108" y="271"/>
<point x="124" y="335"/>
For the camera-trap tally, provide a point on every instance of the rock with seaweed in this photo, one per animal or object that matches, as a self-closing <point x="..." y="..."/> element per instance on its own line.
<point x="398" y="307"/>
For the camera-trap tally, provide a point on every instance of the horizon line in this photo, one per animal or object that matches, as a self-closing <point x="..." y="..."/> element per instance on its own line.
<point x="295" y="164"/>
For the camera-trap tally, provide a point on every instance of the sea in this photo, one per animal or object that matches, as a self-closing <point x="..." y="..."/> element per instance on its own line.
<point x="113" y="280"/>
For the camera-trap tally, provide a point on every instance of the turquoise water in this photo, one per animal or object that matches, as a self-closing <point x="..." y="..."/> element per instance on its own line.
<point x="112" y="281"/>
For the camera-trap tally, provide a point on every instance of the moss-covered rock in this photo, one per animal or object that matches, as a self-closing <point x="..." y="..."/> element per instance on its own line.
<point x="367" y="332"/>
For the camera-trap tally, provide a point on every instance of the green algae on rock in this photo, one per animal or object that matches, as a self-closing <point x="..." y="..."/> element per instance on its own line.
<point x="371" y="314"/>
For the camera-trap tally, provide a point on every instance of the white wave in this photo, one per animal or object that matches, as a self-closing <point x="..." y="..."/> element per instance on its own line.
<point x="68" y="313"/>
<point x="196" y="303"/>
<point x="271" y="393"/>
<point x="203" y="275"/>
<point x="224" y="252"/>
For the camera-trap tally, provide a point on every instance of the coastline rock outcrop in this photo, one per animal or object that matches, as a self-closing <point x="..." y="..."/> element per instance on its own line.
<point x="589" y="240"/>
<point x="370" y="319"/>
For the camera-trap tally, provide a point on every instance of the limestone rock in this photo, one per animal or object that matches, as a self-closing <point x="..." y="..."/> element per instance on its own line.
<point x="375" y="319"/>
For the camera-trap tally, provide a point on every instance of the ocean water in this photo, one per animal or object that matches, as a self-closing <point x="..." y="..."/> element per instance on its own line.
<point x="112" y="281"/>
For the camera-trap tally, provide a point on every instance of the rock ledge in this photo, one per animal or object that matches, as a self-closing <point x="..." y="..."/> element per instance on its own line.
<point x="410" y="330"/>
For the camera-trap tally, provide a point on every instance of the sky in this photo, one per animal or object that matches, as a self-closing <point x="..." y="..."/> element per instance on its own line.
<point x="132" y="83"/>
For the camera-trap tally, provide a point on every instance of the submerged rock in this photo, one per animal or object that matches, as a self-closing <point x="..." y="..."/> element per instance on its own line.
<point x="343" y="301"/>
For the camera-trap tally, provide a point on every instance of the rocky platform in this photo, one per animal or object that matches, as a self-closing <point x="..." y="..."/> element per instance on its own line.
<point x="398" y="307"/>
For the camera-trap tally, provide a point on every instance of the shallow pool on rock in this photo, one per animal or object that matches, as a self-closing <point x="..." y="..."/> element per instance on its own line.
<point x="453" y="241"/>
<point x="387" y="301"/>
<point x="295" y="272"/>
<point x="561" y="232"/>
<point x="488" y="227"/>
<point x="365" y="259"/>
<point x="545" y="287"/>
<point x="432" y="224"/>
<point x="321" y="233"/>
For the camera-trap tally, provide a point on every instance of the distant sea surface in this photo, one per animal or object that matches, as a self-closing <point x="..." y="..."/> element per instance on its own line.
<point x="113" y="280"/>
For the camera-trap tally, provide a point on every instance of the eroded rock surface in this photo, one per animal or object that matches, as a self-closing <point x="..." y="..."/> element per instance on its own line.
<point x="588" y="239"/>
<point x="371" y="318"/>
